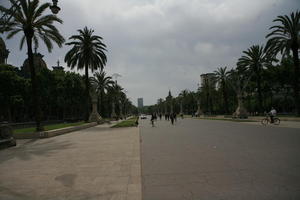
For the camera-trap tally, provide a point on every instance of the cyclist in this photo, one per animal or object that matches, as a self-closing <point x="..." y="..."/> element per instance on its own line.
<point x="272" y="114"/>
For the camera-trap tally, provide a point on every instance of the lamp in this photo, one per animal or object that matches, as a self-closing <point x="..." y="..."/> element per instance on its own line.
<point x="54" y="8"/>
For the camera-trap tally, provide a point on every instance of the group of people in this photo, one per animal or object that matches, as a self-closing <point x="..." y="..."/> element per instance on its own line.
<point x="168" y="116"/>
<point x="173" y="116"/>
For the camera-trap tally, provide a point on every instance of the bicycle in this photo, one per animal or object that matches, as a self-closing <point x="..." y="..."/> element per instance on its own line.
<point x="267" y="120"/>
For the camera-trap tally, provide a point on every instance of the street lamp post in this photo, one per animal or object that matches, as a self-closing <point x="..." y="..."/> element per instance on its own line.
<point x="5" y="18"/>
<point x="54" y="8"/>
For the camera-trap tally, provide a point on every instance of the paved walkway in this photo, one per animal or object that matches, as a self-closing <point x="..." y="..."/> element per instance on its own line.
<point x="219" y="160"/>
<point x="285" y="124"/>
<point x="95" y="163"/>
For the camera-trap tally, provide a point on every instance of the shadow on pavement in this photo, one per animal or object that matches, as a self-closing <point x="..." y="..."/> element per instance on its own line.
<point x="32" y="148"/>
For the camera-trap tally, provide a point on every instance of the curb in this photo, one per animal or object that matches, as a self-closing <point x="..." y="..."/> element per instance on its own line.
<point x="53" y="133"/>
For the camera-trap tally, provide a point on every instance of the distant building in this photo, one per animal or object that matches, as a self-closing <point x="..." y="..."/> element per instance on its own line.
<point x="208" y="80"/>
<point x="39" y="65"/>
<point x="140" y="102"/>
<point x="58" y="67"/>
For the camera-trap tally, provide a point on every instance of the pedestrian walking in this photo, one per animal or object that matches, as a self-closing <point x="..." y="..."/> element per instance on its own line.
<point x="172" y="119"/>
<point x="152" y="119"/>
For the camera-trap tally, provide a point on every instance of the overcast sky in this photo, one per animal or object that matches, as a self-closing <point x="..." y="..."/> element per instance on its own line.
<point x="157" y="45"/>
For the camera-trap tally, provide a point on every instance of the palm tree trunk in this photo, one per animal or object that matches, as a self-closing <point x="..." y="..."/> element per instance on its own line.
<point x="259" y="93"/>
<point x="225" y="98"/>
<point x="207" y="102"/>
<point x="87" y="93"/>
<point x="9" y="114"/>
<point x="296" y="82"/>
<point x="36" y="100"/>
<point x="98" y="104"/>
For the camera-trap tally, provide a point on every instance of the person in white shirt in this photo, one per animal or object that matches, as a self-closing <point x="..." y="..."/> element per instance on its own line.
<point x="272" y="114"/>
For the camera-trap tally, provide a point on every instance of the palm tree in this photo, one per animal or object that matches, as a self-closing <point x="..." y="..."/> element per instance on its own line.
<point x="88" y="52"/>
<point x="183" y="96"/>
<point x="160" y="105"/>
<point x="28" y="17"/>
<point x="102" y="84"/>
<point x="285" y="38"/>
<point x="115" y="91"/>
<point x="122" y="102"/>
<point x="254" y="60"/>
<point x="221" y="76"/>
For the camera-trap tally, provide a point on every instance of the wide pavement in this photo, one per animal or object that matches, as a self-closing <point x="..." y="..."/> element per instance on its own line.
<point x="219" y="160"/>
<point x="96" y="163"/>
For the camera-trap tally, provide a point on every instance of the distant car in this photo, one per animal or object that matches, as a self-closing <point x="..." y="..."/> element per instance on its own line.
<point x="143" y="117"/>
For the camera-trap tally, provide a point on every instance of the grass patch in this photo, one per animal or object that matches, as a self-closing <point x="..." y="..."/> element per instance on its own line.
<point x="127" y="123"/>
<point x="48" y="127"/>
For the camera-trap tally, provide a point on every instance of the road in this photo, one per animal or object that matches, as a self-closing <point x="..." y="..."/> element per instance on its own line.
<point x="206" y="159"/>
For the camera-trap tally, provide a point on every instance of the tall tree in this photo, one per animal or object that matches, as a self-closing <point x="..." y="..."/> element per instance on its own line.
<point x="102" y="84"/>
<point x="183" y="96"/>
<point x="88" y="52"/>
<point x="221" y="75"/>
<point x="255" y="59"/>
<point x="114" y="92"/>
<point x="160" y="105"/>
<point x="285" y="38"/>
<point x="30" y="18"/>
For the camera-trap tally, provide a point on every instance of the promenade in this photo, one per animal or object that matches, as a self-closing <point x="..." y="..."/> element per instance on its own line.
<point x="192" y="159"/>
<point x="98" y="163"/>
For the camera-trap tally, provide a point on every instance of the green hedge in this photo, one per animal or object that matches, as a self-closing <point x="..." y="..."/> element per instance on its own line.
<point x="127" y="123"/>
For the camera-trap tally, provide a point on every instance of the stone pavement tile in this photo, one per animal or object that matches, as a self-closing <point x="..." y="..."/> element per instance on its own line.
<point x="119" y="197"/>
<point x="116" y="188"/>
<point x="240" y="190"/>
<point x="166" y="192"/>
<point x="134" y="197"/>
<point x="159" y="180"/>
<point x="280" y="178"/>
<point x="179" y="179"/>
<point x="191" y="178"/>
<point x="224" y="178"/>
<point x="134" y="188"/>
<point x="134" y="180"/>
<point x="134" y="191"/>
<point x="90" y="164"/>
<point x="283" y="124"/>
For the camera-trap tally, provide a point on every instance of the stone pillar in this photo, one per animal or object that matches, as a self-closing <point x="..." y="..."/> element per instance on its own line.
<point x="113" y="112"/>
<point x="121" y="111"/>
<point x="199" y="111"/>
<point x="94" y="116"/>
<point x="241" y="111"/>
<point x="181" y="108"/>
